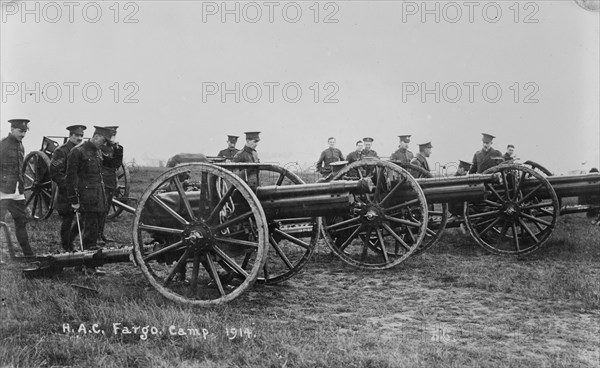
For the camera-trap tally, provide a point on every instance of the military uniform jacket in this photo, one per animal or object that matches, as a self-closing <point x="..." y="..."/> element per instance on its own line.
<point x="369" y="153"/>
<point x="354" y="156"/>
<point x="421" y="161"/>
<point x="11" y="161"/>
<point x="483" y="160"/>
<point x="85" y="184"/>
<point x="402" y="155"/>
<point x="112" y="159"/>
<point x="247" y="154"/>
<point x="58" y="173"/>
<point x="228" y="153"/>
<point x="327" y="157"/>
<point x="507" y="157"/>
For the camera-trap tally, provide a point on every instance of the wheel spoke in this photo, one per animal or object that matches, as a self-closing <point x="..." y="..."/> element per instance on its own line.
<point x="392" y="209"/>
<point x="492" y="203"/>
<point x="280" y="253"/>
<point x="292" y="239"/>
<point x="184" y="197"/>
<point x="382" y="245"/>
<point x="220" y="204"/>
<point x="215" y="275"/>
<point x="160" y="229"/>
<point x="484" y="231"/>
<point x="35" y="202"/>
<point x="244" y="243"/>
<point x="535" y="219"/>
<point x="537" y="205"/>
<point x="391" y="193"/>
<point x="230" y="262"/>
<point x="232" y="221"/>
<point x="366" y="244"/>
<point x="45" y="192"/>
<point x="530" y="194"/>
<point x="515" y="237"/>
<point x="177" y="267"/>
<point x="505" y="184"/>
<point x="493" y="190"/>
<point x="169" y="210"/>
<point x="484" y="214"/>
<point x="396" y="236"/>
<point x="168" y="248"/>
<point x="402" y="222"/>
<point x="351" y="238"/>
<point x="524" y="226"/>
<point x="518" y="187"/>
<point x="342" y="223"/>
<point x="195" y="271"/>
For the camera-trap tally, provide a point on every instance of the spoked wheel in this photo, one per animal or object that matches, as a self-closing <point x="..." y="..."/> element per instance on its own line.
<point x="178" y="225"/>
<point x="385" y="226"/>
<point x="292" y="241"/>
<point x="519" y="213"/>
<point x="121" y="192"/>
<point x="39" y="193"/>
<point x="438" y="212"/>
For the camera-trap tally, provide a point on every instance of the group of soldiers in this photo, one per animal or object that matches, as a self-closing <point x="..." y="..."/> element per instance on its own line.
<point x="85" y="175"/>
<point x="246" y="154"/>
<point x="482" y="160"/>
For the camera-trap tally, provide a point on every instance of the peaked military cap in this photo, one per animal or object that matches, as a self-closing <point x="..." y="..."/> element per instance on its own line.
<point x="19" y="123"/>
<point x="368" y="139"/>
<point x="106" y="132"/>
<point x="252" y="135"/>
<point x="76" y="129"/>
<point x="464" y="164"/>
<point x="232" y="138"/>
<point x="337" y="165"/>
<point x="422" y="146"/>
<point x="487" y="137"/>
<point x="405" y="138"/>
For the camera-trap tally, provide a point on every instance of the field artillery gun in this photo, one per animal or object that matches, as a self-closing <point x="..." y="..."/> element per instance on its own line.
<point x="202" y="232"/>
<point x="41" y="192"/>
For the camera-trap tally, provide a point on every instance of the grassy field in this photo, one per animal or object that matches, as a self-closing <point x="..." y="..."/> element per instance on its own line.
<point x="455" y="306"/>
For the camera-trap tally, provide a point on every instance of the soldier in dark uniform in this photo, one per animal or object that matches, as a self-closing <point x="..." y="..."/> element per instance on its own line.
<point x="510" y="153"/>
<point x="463" y="168"/>
<point x="12" y="187"/>
<point x="328" y="156"/>
<point x="85" y="184"/>
<point x="357" y="154"/>
<point x="368" y="152"/>
<point x="402" y="154"/>
<point x="230" y="151"/>
<point x="487" y="157"/>
<point x="248" y="153"/>
<point x="58" y="173"/>
<point x="421" y="158"/>
<point x="112" y="159"/>
<point x="456" y="209"/>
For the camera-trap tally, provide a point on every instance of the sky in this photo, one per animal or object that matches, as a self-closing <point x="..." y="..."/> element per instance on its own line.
<point x="179" y="76"/>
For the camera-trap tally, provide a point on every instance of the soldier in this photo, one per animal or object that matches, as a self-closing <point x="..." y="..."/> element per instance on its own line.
<point x="85" y="185"/>
<point x="12" y="187"/>
<point x="58" y="173"/>
<point x="328" y="156"/>
<point x="510" y="153"/>
<point x="463" y="168"/>
<point x="230" y="151"/>
<point x="402" y="154"/>
<point x="485" y="158"/>
<point x="112" y="159"/>
<point x="356" y="155"/>
<point x="368" y="152"/>
<point x="421" y="158"/>
<point x="248" y="153"/>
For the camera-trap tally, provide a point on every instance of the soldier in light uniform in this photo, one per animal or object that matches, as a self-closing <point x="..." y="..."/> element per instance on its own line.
<point x="357" y="154"/>
<point x="58" y="173"/>
<point x="368" y="152"/>
<point x="486" y="157"/>
<point x="12" y="186"/>
<point x="421" y="158"/>
<point x="112" y="159"/>
<point x="85" y="184"/>
<point x="403" y="155"/>
<point x="230" y="151"/>
<point x="248" y="153"/>
<point x="328" y="156"/>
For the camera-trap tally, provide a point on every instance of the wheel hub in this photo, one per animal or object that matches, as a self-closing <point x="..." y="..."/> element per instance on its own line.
<point x="198" y="236"/>
<point x="511" y="209"/>
<point x="371" y="215"/>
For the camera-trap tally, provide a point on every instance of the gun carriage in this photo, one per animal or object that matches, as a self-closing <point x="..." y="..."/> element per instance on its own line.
<point x="202" y="232"/>
<point x="41" y="192"/>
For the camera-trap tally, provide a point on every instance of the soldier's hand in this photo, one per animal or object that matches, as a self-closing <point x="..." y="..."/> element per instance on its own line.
<point x="75" y="206"/>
